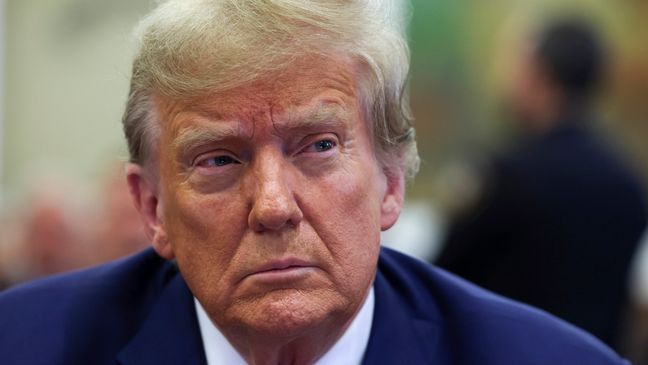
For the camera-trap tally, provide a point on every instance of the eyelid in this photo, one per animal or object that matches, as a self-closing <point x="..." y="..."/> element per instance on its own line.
<point x="309" y="141"/>
<point x="212" y="154"/>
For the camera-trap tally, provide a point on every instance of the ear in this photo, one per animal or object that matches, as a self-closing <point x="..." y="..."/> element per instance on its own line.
<point x="392" y="202"/>
<point x="144" y="193"/>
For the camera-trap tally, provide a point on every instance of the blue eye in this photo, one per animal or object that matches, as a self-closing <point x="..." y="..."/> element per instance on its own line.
<point x="217" y="161"/>
<point x="323" y="145"/>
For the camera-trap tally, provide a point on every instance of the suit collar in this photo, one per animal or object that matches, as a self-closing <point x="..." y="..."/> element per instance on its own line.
<point x="398" y="335"/>
<point x="170" y="334"/>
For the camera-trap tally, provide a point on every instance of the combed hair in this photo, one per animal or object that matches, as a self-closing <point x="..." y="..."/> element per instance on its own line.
<point x="191" y="47"/>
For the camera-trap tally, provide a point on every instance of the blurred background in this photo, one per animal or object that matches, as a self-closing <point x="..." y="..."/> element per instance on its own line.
<point x="64" y="70"/>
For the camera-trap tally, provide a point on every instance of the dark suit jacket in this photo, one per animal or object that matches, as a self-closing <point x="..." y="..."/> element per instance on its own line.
<point x="139" y="311"/>
<point x="557" y="228"/>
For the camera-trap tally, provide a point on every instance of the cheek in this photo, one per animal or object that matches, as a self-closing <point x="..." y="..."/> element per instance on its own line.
<point x="206" y="219"/>
<point x="346" y="216"/>
<point x="204" y="232"/>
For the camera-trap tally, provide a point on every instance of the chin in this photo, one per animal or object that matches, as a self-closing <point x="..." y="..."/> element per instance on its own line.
<point x="291" y="313"/>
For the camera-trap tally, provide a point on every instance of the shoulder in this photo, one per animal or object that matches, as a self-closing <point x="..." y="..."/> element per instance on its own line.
<point x="98" y="307"/>
<point x="124" y="277"/>
<point x="488" y="328"/>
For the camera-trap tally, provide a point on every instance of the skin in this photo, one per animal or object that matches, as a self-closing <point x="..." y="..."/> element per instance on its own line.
<point x="279" y="172"/>
<point x="535" y="99"/>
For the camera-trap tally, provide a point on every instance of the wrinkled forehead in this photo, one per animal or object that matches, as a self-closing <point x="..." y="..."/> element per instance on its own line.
<point x="311" y="85"/>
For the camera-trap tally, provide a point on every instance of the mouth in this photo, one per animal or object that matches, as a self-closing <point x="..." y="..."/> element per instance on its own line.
<point x="282" y="271"/>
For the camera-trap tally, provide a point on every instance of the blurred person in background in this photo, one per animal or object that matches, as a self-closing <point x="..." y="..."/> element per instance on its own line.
<point x="118" y="228"/>
<point x="48" y="238"/>
<point x="561" y="215"/>
<point x="57" y="231"/>
<point x="45" y="237"/>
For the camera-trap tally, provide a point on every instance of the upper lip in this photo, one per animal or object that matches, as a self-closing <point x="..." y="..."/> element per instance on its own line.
<point x="280" y="264"/>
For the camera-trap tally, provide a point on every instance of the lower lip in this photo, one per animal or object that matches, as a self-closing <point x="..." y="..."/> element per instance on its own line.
<point x="289" y="274"/>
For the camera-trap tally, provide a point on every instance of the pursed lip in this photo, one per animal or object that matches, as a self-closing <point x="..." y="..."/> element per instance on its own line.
<point x="281" y="265"/>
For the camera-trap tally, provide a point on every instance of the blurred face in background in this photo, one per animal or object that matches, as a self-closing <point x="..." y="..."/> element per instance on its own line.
<point x="119" y="230"/>
<point x="271" y="198"/>
<point x="531" y="96"/>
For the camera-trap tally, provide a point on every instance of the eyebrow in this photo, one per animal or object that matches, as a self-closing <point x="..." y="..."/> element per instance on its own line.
<point x="196" y="136"/>
<point x="324" y="116"/>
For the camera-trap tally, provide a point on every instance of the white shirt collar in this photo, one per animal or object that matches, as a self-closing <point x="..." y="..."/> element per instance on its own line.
<point x="348" y="350"/>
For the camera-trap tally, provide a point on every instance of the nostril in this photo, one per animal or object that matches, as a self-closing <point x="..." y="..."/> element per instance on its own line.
<point x="275" y="212"/>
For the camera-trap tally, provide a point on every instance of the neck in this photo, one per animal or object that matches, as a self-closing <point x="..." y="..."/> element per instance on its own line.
<point x="299" y="347"/>
<point x="266" y="350"/>
<point x="553" y="114"/>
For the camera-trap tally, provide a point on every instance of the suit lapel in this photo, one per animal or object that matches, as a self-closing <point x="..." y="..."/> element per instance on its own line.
<point x="398" y="336"/>
<point x="170" y="334"/>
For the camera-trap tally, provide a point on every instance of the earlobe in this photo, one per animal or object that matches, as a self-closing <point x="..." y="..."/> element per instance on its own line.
<point x="144" y="193"/>
<point x="393" y="199"/>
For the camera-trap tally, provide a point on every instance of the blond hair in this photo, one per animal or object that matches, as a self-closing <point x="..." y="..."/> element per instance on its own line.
<point x="189" y="47"/>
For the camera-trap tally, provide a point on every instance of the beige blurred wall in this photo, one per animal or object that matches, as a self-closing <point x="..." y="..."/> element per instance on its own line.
<point x="2" y="88"/>
<point x="67" y="68"/>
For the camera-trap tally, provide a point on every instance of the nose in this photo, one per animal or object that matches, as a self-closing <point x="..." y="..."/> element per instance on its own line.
<point x="273" y="203"/>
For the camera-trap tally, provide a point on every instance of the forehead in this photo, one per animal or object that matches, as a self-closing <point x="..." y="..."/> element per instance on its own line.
<point x="309" y="85"/>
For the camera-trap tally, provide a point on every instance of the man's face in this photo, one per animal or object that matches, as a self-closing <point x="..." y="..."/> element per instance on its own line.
<point x="272" y="200"/>
<point x="531" y="95"/>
